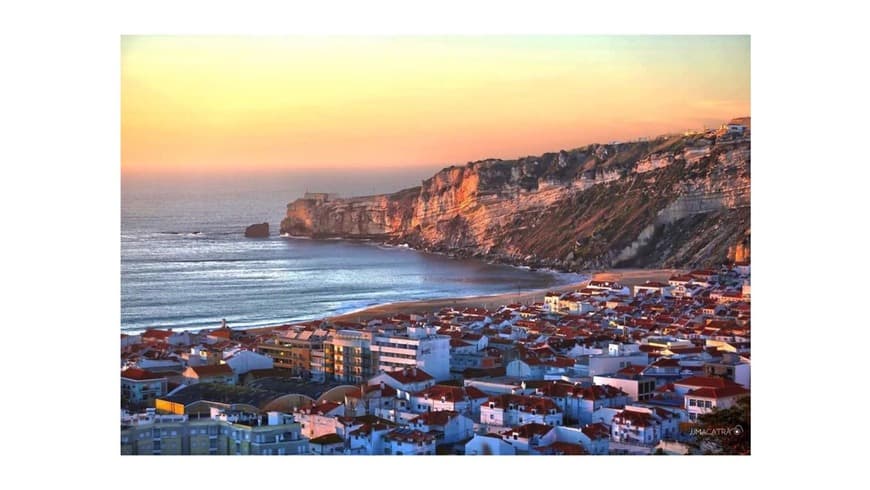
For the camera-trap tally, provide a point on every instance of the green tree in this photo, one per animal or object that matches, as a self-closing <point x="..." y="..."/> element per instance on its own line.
<point x="726" y="431"/>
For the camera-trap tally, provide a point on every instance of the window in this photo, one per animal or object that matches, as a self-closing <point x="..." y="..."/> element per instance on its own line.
<point x="491" y="416"/>
<point x="691" y="402"/>
<point x="708" y="404"/>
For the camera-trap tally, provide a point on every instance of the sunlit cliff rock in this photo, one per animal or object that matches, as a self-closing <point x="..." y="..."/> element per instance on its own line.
<point x="680" y="201"/>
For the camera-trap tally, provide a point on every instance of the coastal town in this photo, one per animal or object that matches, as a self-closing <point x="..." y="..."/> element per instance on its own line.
<point x="606" y="367"/>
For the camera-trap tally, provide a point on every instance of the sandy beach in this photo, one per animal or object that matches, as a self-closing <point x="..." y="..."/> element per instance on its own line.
<point x="627" y="277"/>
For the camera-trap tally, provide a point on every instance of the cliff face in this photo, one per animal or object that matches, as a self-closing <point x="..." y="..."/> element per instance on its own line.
<point x="676" y="202"/>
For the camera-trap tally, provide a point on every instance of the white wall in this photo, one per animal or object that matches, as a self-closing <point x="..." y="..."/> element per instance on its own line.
<point x="246" y="360"/>
<point x="481" y="445"/>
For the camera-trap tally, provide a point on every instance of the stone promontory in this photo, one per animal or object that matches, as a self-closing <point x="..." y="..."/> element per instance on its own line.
<point x="260" y="230"/>
<point x="674" y="201"/>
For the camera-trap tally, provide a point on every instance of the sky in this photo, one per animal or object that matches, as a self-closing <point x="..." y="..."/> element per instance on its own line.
<point x="206" y="105"/>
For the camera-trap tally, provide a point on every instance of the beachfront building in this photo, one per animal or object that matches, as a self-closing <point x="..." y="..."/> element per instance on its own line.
<point x="298" y="350"/>
<point x="348" y="356"/>
<point x="417" y="347"/>
<point x="224" y="432"/>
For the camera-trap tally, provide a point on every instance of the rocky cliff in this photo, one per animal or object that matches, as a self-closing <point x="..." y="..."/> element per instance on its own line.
<point x="680" y="201"/>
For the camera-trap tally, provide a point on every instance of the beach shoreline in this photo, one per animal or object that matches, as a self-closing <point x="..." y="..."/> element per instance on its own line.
<point x="626" y="277"/>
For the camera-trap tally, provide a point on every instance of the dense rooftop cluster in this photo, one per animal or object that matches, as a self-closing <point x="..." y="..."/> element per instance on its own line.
<point x="605" y="369"/>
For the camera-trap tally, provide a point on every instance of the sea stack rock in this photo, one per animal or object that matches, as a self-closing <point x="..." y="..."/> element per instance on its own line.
<point x="260" y="230"/>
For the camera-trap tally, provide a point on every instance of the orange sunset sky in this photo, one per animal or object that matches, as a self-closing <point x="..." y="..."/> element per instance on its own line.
<point x="207" y="104"/>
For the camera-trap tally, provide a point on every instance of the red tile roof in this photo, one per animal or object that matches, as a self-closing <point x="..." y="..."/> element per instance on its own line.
<point x="540" y="404"/>
<point x="157" y="334"/>
<point x="640" y="419"/>
<point x="139" y="374"/>
<point x="596" y="431"/>
<point x="632" y="370"/>
<point x="437" y="418"/>
<point x="723" y="392"/>
<point x="406" y="435"/>
<point x="215" y="370"/>
<point x="327" y="439"/>
<point x="451" y="393"/>
<point x="706" y="382"/>
<point x="561" y="448"/>
<point x="666" y="362"/>
<point x="528" y="431"/>
<point x="322" y="408"/>
<point x="409" y="375"/>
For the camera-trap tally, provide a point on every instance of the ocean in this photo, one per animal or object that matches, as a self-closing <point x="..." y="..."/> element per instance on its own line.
<point x="185" y="264"/>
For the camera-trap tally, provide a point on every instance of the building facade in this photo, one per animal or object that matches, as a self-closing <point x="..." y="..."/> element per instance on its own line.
<point x="223" y="433"/>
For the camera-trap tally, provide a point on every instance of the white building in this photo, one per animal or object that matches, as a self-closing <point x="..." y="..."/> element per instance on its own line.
<point x="419" y="346"/>
<point x="578" y="403"/>
<point x="486" y="445"/>
<point x="705" y="400"/>
<point x="525" y="437"/>
<point x="405" y="442"/>
<point x="618" y="356"/>
<point x="319" y="420"/>
<point x="466" y="400"/>
<point x="448" y="426"/>
<point x="513" y="410"/>
<point x="637" y="387"/>
<point x="405" y="381"/>
<point x="556" y="441"/>
<point x="653" y="287"/>
<point x="245" y="361"/>
<point x="368" y="438"/>
<point x="644" y="426"/>
<point x="139" y="386"/>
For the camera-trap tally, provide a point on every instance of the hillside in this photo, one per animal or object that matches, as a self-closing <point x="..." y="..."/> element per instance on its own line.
<point x="679" y="201"/>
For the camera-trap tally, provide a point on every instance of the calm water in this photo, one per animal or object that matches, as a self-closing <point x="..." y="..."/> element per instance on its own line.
<point x="185" y="263"/>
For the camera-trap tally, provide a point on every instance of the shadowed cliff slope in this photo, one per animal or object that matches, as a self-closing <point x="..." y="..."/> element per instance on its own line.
<point x="680" y="201"/>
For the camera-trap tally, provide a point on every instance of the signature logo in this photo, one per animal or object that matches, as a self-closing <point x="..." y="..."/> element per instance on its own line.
<point x="736" y="430"/>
